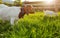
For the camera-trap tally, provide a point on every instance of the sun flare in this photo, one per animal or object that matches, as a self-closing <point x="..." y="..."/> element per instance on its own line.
<point x="49" y="1"/>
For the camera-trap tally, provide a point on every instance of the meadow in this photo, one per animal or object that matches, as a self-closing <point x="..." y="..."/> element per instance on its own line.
<point x="32" y="26"/>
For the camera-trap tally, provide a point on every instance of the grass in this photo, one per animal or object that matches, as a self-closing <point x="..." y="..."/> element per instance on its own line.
<point x="32" y="26"/>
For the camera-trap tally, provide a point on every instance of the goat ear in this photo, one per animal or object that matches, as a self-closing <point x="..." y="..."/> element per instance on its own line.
<point x="19" y="15"/>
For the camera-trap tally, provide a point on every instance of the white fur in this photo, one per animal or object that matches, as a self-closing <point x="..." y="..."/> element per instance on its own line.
<point x="9" y="13"/>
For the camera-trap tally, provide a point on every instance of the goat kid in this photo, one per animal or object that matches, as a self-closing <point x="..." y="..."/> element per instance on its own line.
<point x="50" y="13"/>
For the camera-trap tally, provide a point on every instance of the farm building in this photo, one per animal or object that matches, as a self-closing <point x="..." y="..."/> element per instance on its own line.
<point x="41" y="5"/>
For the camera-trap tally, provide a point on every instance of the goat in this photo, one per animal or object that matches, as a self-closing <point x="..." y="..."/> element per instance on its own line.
<point x="12" y="13"/>
<point x="50" y="13"/>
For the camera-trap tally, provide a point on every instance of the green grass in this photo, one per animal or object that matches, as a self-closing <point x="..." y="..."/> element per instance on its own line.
<point x="32" y="26"/>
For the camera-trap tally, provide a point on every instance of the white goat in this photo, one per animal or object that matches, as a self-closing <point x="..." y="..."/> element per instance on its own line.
<point x="9" y="13"/>
<point x="50" y="13"/>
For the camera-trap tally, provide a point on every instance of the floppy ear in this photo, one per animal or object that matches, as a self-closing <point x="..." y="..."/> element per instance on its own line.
<point x="21" y="15"/>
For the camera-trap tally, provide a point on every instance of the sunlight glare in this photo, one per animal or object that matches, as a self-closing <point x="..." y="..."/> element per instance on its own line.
<point x="48" y="1"/>
<point x="13" y="0"/>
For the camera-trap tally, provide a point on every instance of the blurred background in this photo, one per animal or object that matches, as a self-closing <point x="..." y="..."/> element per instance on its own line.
<point x="38" y="5"/>
<point x="11" y="2"/>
